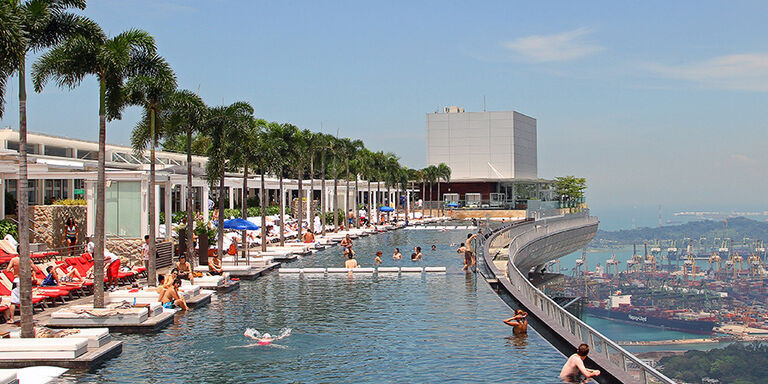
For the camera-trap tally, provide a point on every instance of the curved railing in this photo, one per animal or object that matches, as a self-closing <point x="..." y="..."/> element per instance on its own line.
<point x="562" y="325"/>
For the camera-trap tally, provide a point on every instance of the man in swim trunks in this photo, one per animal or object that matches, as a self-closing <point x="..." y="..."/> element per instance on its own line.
<point x="519" y="322"/>
<point x="171" y="297"/>
<point x="468" y="252"/>
<point x="462" y="250"/>
<point x="574" y="370"/>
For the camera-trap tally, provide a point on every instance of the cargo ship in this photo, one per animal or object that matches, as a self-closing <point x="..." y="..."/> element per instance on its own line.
<point x="619" y="307"/>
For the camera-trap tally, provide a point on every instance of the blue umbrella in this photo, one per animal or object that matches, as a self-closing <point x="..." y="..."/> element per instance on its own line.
<point x="386" y="209"/>
<point x="452" y="205"/>
<point x="240" y="224"/>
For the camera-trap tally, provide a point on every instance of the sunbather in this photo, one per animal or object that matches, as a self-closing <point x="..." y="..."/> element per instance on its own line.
<point x="170" y="297"/>
<point x="185" y="270"/>
<point x="214" y="265"/>
<point x="168" y="280"/>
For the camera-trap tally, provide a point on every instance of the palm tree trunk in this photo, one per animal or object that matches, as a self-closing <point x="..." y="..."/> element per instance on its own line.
<point x="357" y="206"/>
<point x="263" y="200"/>
<point x="346" y="200"/>
<point x="151" y="270"/>
<point x="423" y="196"/>
<point x="389" y="203"/>
<point x="430" y="198"/>
<point x="439" y="200"/>
<point x="378" y="194"/>
<point x="323" y="202"/>
<point x="190" y="219"/>
<point x="311" y="224"/>
<point x="335" y="198"/>
<point x="300" y="208"/>
<point x="282" y="212"/>
<point x="244" y="207"/>
<point x="98" y="252"/>
<point x="25" y="261"/>
<point x="370" y="201"/>
<point x="220" y="219"/>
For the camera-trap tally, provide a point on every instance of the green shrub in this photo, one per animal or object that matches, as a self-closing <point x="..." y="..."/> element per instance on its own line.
<point x="8" y="227"/>
<point x="69" y="202"/>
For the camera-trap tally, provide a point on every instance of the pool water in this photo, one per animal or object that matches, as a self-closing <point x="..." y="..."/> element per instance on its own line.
<point x="431" y="328"/>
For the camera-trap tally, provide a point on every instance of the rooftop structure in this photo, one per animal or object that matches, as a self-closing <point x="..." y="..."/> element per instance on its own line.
<point x="483" y="146"/>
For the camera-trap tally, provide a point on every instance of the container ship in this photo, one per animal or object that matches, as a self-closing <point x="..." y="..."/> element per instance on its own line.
<point x="619" y="307"/>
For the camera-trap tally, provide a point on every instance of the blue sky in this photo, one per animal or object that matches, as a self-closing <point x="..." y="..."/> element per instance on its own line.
<point x="653" y="102"/>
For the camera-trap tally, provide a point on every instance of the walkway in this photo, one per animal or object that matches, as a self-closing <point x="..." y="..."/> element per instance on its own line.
<point x="505" y="257"/>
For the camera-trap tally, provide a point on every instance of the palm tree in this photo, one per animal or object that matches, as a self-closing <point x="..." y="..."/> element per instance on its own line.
<point x="379" y="162"/>
<point x="111" y="61"/>
<point x="423" y="178"/>
<point x="336" y="149"/>
<point x="186" y="113"/>
<point x="151" y="90"/>
<point x="324" y="145"/>
<point x="311" y="141"/>
<point x="391" y="177"/>
<point x="413" y="176"/>
<point x="223" y="124"/>
<point x="431" y="176"/>
<point x="281" y="138"/>
<point x="365" y="168"/>
<point x="31" y="26"/>
<point x="249" y="154"/>
<point x="264" y="162"/>
<point x="443" y="172"/>
<point x="350" y="149"/>
<point x="302" y="154"/>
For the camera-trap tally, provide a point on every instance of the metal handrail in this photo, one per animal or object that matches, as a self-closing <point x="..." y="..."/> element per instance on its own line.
<point x="30" y="228"/>
<point x="622" y="359"/>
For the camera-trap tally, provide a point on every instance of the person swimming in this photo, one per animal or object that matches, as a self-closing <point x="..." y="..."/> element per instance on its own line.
<point x="397" y="255"/>
<point x="266" y="338"/>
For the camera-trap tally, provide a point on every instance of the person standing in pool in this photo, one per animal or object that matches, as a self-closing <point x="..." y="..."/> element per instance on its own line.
<point x="462" y="250"/>
<point x="377" y="260"/>
<point x="468" y="253"/>
<point x="574" y="370"/>
<point x="346" y="242"/>
<point x="518" y="322"/>
<point x="397" y="255"/>
<point x="351" y="262"/>
<point x="434" y="248"/>
<point x="416" y="255"/>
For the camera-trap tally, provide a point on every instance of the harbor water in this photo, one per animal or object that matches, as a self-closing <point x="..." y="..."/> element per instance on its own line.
<point x="431" y="328"/>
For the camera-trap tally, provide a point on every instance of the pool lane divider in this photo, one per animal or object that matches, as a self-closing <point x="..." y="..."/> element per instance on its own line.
<point x="379" y="270"/>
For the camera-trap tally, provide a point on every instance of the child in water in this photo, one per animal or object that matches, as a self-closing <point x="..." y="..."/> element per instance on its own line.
<point x="377" y="260"/>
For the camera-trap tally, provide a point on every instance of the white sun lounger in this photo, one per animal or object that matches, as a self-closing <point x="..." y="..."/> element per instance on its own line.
<point x="42" y="349"/>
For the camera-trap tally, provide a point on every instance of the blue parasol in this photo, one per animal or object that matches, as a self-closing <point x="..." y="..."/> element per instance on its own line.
<point x="240" y="224"/>
<point x="452" y="205"/>
<point x="386" y="209"/>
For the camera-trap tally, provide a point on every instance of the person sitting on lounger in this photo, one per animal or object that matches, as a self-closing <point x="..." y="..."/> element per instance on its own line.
<point x="50" y="280"/>
<point x="71" y="276"/>
<point x="214" y="265"/>
<point x="351" y="262"/>
<point x="308" y="237"/>
<point x="170" y="298"/>
<point x="185" y="270"/>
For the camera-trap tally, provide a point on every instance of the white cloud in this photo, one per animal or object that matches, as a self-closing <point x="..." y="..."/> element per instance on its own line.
<point x="557" y="47"/>
<point x="743" y="72"/>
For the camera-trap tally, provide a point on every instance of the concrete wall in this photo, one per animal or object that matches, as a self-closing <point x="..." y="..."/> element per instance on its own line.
<point x="481" y="213"/>
<point x="483" y="145"/>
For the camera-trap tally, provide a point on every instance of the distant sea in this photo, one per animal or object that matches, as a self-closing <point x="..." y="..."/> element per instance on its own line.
<point x="616" y="217"/>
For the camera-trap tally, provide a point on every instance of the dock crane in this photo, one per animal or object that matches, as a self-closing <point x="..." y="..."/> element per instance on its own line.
<point x="754" y="265"/>
<point x="634" y="261"/>
<point x="716" y="259"/>
<point x="612" y="262"/>
<point x="649" y="262"/>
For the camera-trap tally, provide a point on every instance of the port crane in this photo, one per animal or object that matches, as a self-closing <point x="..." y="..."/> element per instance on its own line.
<point x="754" y="265"/>
<point x="612" y="263"/>
<point x="716" y="259"/>
<point x="649" y="262"/>
<point x="634" y="261"/>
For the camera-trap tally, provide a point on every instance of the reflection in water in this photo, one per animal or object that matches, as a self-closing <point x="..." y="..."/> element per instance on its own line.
<point x="519" y="341"/>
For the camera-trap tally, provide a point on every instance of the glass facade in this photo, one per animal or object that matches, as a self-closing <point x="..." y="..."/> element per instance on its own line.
<point x="123" y="213"/>
<point x="55" y="189"/>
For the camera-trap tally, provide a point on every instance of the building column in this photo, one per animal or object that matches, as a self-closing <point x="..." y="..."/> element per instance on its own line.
<point x="90" y="208"/>
<point x="309" y="206"/>
<point x="182" y="197"/>
<point x="144" y="220"/>
<point x="168" y="211"/>
<point x="231" y="197"/>
<point x="158" y="199"/>
<point x="204" y="202"/>
<point x="2" y="199"/>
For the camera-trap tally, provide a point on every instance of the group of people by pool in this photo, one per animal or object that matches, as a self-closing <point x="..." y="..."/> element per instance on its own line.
<point x="351" y="262"/>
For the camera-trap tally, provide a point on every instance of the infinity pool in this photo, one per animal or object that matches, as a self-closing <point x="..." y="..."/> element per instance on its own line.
<point x="363" y="329"/>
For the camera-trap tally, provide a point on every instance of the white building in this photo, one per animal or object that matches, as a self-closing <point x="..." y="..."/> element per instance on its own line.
<point x="483" y="145"/>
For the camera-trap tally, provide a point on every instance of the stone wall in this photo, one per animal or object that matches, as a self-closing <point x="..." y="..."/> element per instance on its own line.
<point x="49" y="223"/>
